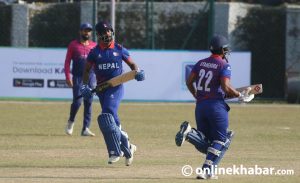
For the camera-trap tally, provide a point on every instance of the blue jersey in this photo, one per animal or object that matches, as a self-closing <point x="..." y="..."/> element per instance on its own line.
<point x="208" y="73"/>
<point x="107" y="62"/>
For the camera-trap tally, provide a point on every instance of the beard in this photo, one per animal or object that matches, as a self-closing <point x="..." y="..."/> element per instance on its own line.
<point x="106" y="39"/>
<point x="85" y="37"/>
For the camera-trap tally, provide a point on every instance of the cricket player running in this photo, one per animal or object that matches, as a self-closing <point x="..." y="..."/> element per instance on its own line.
<point x="106" y="59"/>
<point x="212" y="77"/>
<point x="77" y="52"/>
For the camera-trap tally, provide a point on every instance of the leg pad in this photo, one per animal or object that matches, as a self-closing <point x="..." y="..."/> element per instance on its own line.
<point x="111" y="133"/>
<point x="198" y="139"/>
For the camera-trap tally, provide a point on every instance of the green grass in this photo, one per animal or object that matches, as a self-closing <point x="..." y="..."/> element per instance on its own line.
<point x="34" y="148"/>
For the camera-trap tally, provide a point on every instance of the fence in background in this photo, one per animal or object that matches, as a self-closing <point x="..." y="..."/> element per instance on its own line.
<point x="272" y="40"/>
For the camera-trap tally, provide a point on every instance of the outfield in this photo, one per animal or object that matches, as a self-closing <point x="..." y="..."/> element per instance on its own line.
<point x="34" y="148"/>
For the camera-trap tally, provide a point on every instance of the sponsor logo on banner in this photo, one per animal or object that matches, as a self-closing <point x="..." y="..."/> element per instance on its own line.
<point x="30" y="83"/>
<point x="57" y="83"/>
<point x="39" y="73"/>
<point x="186" y="70"/>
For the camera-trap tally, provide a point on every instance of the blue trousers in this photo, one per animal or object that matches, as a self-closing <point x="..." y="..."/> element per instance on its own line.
<point x="110" y="100"/>
<point x="77" y="83"/>
<point x="212" y="119"/>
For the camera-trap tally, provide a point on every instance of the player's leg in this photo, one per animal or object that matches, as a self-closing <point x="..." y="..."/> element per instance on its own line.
<point x="113" y="99"/>
<point x="112" y="136"/>
<point x="221" y="139"/>
<point x="125" y="145"/>
<point x="132" y="148"/>
<point x="110" y="100"/>
<point x="230" y="135"/>
<point x="202" y="127"/>
<point x="112" y="103"/>
<point x="198" y="139"/>
<point x="88" y="110"/>
<point x="195" y="137"/>
<point x="87" y="113"/>
<point x="128" y="148"/>
<point x="76" y="103"/>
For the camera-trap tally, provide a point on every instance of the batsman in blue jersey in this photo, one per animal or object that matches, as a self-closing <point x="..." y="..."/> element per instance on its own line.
<point x="106" y="59"/>
<point x="212" y="78"/>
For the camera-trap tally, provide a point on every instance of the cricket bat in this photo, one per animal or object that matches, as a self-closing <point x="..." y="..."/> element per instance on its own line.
<point x="114" y="81"/>
<point x="255" y="89"/>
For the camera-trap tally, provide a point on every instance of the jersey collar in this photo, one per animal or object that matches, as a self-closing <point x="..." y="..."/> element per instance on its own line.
<point x="89" y="42"/>
<point x="216" y="56"/>
<point x="111" y="46"/>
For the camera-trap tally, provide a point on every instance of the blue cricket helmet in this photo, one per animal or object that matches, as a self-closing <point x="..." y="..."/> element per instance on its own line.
<point x="86" y="26"/>
<point x="219" y="45"/>
<point x="218" y="42"/>
<point x="102" y="27"/>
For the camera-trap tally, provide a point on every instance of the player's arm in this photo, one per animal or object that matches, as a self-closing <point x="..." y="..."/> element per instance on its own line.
<point x="85" y="90"/>
<point x="128" y="60"/>
<point x="225" y="75"/>
<point x="140" y="74"/>
<point x="131" y="64"/>
<point x="190" y="84"/>
<point x="230" y="92"/>
<point x="86" y="72"/>
<point x="67" y="66"/>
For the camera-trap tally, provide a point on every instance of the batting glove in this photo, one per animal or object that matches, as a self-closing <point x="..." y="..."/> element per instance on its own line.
<point x="245" y="97"/>
<point x="86" y="92"/>
<point x="140" y="75"/>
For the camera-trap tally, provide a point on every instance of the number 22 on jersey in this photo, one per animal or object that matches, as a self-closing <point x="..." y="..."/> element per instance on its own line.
<point x="204" y="80"/>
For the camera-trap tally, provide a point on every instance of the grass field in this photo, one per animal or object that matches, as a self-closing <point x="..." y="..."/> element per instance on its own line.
<point x="34" y="148"/>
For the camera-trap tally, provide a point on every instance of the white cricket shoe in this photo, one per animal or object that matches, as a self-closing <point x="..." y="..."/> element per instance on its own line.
<point x="69" y="127"/>
<point x="128" y="161"/>
<point x="113" y="159"/>
<point x="87" y="132"/>
<point x="206" y="176"/>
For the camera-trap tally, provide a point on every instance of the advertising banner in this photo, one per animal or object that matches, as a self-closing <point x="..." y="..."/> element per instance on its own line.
<point x="39" y="73"/>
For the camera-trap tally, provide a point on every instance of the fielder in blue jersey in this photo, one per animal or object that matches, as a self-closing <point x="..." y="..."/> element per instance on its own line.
<point x="106" y="59"/>
<point x="212" y="84"/>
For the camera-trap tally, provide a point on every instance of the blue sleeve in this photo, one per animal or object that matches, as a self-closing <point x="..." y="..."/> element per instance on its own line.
<point x="125" y="54"/>
<point x="226" y="71"/>
<point x="195" y="69"/>
<point x="90" y="57"/>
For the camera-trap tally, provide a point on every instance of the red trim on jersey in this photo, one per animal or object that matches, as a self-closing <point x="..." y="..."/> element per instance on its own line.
<point x="216" y="56"/>
<point x="128" y="59"/>
<point x="205" y="97"/>
<point x="103" y="46"/>
<point x="225" y="77"/>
